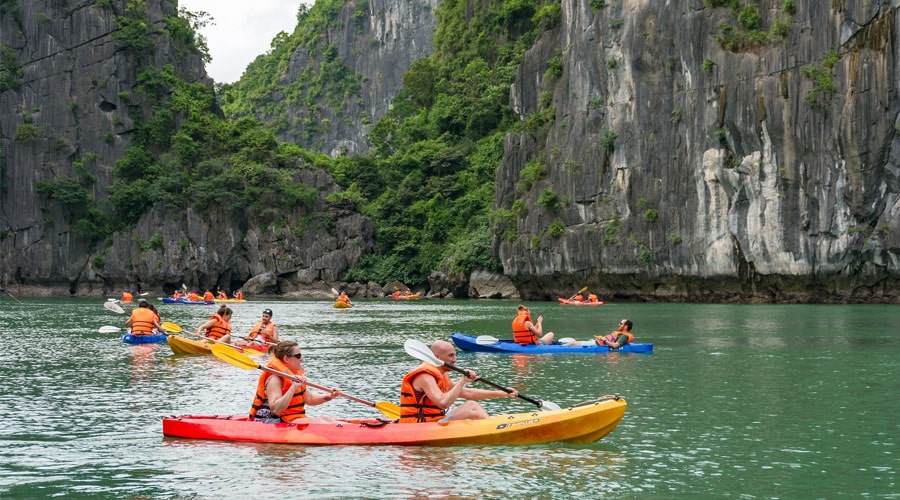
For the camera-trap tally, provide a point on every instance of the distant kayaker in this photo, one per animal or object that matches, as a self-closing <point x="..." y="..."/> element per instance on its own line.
<point x="266" y="331"/>
<point x="526" y="332"/>
<point x="427" y="392"/>
<point x="344" y="298"/>
<point x="617" y="338"/>
<point x="221" y="295"/>
<point x="284" y="399"/>
<point x="592" y="297"/>
<point x="218" y="327"/>
<point x="612" y="340"/>
<point x="238" y="295"/>
<point x="143" y="320"/>
<point x="208" y="296"/>
<point x="127" y="297"/>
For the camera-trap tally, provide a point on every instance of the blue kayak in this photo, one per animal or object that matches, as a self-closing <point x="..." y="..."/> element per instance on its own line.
<point x="469" y="343"/>
<point x="170" y="300"/>
<point x="143" y="339"/>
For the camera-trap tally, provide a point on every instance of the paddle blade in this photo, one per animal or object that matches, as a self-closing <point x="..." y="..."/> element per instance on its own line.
<point x="113" y="307"/>
<point x="389" y="410"/>
<point x="171" y="327"/>
<point x="233" y="357"/>
<point x="566" y="340"/>
<point x="109" y="329"/>
<point x="486" y="340"/>
<point x="334" y="291"/>
<point x="419" y="350"/>
<point x="549" y="406"/>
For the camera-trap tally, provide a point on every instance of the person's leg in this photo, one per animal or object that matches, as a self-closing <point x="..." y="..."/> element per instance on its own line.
<point x="468" y="410"/>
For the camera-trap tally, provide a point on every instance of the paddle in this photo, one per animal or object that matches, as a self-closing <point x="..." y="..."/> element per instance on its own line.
<point x="113" y="307"/>
<point x="421" y="351"/>
<point x="489" y="340"/>
<point x="576" y="293"/>
<point x="486" y="340"/>
<point x="109" y="329"/>
<point x="389" y="410"/>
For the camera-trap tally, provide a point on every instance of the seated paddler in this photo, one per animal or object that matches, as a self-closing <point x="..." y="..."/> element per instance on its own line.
<point x="283" y="398"/>
<point x="426" y="393"/>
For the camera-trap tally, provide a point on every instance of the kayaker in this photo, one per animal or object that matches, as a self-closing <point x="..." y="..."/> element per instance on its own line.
<point x="238" y="295"/>
<point x="617" y="338"/>
<point x="208" y="296"/>
<point x="344" y="298"/>
<point x="526" y="332"/>
<point x="127" y="297"/>
<point x="221" y="295"/>
<point x="218" y="327"/>
<point x="427" y="392"/>
<point x="284" y="399"/>
<point x="143" y="320"/>
<point x="266" y="331"/>
<point x="592" y="298"/>
<point x="176" y="295"/>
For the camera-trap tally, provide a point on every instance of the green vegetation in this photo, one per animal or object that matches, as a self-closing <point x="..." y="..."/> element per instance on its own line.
<point x="823" y="85"/>
<point x="674" y="239"/>
<point x="608" y="141"/>
<point x="9" y="69"/>
<point x="26" y="132"/>
<point x="556" y="229"/>
<point x="707" y="65"/>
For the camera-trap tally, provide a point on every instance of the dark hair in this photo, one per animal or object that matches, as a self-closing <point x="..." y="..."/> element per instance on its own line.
<point x="628" y="324"/>
<point x="223" y="310"/>
<point x="267" y="311"/>
<point x="284" y="348"/>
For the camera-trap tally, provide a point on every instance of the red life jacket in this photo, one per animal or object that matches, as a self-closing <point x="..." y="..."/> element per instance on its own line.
<point x="521" y="333"/>
<point x="415" y="405"/>
<point x="296" y="407"/>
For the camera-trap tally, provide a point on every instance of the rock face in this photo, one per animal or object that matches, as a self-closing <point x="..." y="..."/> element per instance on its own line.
<point x="678" y="170"/>
<point x="69" y="84"/>
<point x="378" y="40"/>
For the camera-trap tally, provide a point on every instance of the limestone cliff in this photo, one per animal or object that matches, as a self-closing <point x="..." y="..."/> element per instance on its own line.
<point x="69" y="97"/>
<point x="686" y="160"/>
<point x="377" y="40"/>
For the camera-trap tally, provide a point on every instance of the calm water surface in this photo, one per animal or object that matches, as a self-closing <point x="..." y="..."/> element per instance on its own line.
<point x="743" y="401"/>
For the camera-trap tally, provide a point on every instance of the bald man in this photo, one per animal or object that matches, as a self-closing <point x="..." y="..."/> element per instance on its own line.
<point x="427" y="392"/>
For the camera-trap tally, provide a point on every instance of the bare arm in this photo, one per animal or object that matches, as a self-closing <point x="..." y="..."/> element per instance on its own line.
<point x="279" y="399"/>
<point x="428" y="385"/>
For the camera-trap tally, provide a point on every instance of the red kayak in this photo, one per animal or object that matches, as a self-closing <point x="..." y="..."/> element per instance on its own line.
<point x="573" y="302"/>
<point x="583" y="423"/>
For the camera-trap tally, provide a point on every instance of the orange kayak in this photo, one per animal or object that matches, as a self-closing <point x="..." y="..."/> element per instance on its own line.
<point x="583" y="423"/>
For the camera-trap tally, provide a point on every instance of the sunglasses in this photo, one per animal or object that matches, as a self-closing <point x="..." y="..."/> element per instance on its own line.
<point x="299" y="355"/>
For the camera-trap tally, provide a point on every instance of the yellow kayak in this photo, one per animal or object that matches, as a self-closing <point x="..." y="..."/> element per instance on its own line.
<point x="182" y="345"/>
<point x="340" y="304"/>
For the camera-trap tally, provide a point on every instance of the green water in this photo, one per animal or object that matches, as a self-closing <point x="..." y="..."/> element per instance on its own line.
<point x="743" y="401"/>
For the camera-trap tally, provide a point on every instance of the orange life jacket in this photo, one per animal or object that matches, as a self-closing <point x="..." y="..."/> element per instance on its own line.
<point x="415" y="405"/>
<point x="142" y="319"/>
<point x="579" y="297"/>
<point x="220" y="329"/>
<point x="296" y="407"/>
<point x="239" y="295"/>
<point x="126" y="297"/>
<point x="615" y="335"/>
<point x="176" y="295"/>
<point x="266" y="331"/>
<point x="592" y="298"/>
<point x="222" y="296"/>
<point x="521" y="333"/>
<point x="208" y="296"/>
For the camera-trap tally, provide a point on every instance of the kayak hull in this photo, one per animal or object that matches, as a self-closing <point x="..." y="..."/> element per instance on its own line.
<point x="584" y="423"/>
<point x="468" y="343"/>
<point x="143" y="339"/>
<point x="340" y="304"/>
<point x="170" y="300"/>
<point x="183" y="345"/>
<point x="415" y="296"/>
<point x="228" y="301"/>
<point x="573" y="302"/>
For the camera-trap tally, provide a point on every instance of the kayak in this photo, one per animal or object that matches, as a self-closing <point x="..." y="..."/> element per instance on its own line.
<point x="414" y="296"/>
<point x="583" y="423"/>
<point x="573" y="302"/>
<point x="468" y="343"/>
<point x="340" y="304"/>
<point x="170" y="300"/>
<point x="143" y="339"/>
<point x="184" y="345"/>
<point x="228" y="301"/>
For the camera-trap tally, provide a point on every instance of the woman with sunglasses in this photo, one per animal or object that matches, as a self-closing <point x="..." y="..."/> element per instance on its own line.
<point x="281" y="398"/>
